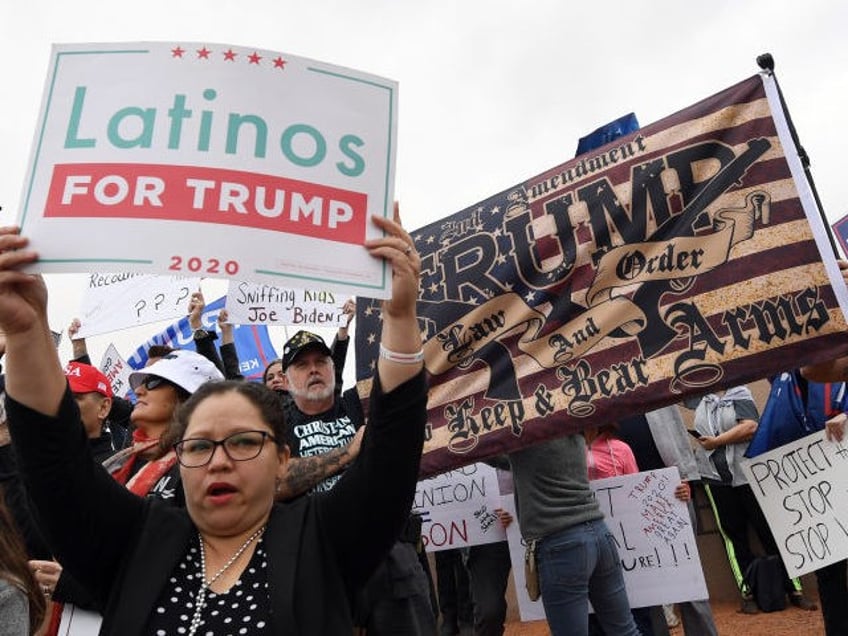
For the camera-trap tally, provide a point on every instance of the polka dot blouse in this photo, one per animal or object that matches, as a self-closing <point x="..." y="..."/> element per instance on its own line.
<point x="242" y="610"/>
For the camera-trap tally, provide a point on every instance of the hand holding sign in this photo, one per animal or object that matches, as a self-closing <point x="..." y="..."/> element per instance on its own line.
<point x="73" y="328"/>
<point x="349" y="311"/>
<point x="196" y="305"/>
<point x="80" y="348"/>
<point x="505" y="517"/>
<point x="682" y="491"/>
<point x="225" y="326"/>
<point x="835" y="427"/>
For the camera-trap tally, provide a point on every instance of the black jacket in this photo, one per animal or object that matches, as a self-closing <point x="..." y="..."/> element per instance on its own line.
<point x="321" y="548"/>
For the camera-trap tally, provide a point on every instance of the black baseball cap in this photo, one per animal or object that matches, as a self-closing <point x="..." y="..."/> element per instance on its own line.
<point x="299" y="342"/>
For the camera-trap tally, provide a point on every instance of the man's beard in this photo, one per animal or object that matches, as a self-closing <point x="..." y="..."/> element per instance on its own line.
<point x="317" y="394"/>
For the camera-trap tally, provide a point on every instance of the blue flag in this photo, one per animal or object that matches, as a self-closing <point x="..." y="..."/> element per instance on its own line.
<point x="608" y="133"/>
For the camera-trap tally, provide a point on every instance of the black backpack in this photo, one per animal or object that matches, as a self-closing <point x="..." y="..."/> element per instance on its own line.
<point x="765" y="578"/>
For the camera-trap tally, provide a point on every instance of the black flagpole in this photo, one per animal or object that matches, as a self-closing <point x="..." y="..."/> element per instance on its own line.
<point x="766" y="62"/>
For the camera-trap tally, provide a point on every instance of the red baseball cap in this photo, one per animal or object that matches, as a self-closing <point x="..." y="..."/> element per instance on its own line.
<point x="84" y="378"/>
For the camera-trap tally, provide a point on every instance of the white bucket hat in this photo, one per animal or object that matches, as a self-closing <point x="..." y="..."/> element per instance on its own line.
<point x="187" y="369"/>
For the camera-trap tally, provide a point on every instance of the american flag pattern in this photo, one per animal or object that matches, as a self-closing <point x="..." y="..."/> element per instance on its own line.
<point x="671" y="262"/>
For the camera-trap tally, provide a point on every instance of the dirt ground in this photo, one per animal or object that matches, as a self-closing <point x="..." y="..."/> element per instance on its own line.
<point x="730" y="622"/>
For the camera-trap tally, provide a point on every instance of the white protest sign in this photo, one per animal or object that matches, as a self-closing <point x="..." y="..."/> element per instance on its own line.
<point x="116" y="301"/>
<point x="116" y="369"/>
<point x="260" y="304"/>
<point x="801" y="489"/>
<point x="79" y="622"/>
<point x="654" y="536"/>
<point x="457" y="508"/>
<point x="211" y="160"/>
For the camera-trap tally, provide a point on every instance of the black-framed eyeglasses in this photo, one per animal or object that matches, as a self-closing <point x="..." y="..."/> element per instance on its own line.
<point x="195" y="452"/>
<point x="151" y="382"/>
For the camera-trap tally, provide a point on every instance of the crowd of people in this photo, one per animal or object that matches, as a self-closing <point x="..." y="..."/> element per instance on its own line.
<point x="302" y="521"/>
<point x="172" y="534"/>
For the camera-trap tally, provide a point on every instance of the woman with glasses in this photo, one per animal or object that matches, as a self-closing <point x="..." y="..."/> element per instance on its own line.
<point x="163" y="569"/>
<point x="147" y="468"/>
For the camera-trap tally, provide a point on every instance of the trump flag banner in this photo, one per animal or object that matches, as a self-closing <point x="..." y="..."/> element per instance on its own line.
<point x="683" y="257"/>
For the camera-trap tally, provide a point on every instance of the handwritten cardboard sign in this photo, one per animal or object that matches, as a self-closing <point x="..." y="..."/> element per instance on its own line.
<point x="261" y="304"/>
<point x="654" y="536"/>
<point x="457" y="508"/>
<point x="117" y="370"/>
<point x="116" y="301"/>
<point x="801" y="489"/>
<point x="211" y="160"/>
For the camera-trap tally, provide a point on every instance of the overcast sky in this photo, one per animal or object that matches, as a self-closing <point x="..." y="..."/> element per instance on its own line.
<point x="491" y="93"/>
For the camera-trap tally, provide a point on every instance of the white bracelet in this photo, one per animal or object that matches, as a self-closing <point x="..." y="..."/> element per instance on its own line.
<point x="401" y="358"/>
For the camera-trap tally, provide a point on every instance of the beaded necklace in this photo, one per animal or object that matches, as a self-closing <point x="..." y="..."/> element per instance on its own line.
<point x="200" y="598"/>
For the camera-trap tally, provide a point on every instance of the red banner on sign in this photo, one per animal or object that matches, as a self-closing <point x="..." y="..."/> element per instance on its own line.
<point x="210" y="195"/>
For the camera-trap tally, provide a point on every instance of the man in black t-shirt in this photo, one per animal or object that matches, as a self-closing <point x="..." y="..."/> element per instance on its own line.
<point x="319" y="424"/>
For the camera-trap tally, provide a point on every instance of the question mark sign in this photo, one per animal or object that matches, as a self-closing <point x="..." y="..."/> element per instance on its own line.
<point x="159" y="298"/>
<point x="139" y="306"/>
<point x="184" y="292"/>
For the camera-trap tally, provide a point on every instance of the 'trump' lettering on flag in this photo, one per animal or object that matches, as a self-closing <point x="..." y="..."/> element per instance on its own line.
<point x="253" y="343"/>
<point x="679" y="258"/>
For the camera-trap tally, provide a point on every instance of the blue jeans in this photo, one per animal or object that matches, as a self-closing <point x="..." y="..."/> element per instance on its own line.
<point x="577" y="565"/>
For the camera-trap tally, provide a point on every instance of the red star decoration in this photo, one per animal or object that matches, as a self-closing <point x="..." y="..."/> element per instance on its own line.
<point x="230" y="55"/>
<point x="279" y="63"/>
<point x="177" y="52"/>
<point x="203" y="53"/>
<point x="254" y="58"/>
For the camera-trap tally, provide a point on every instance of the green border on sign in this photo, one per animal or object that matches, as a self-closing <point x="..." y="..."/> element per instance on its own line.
<point x="44" y="123"/>
<point x="387" y="205"/>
